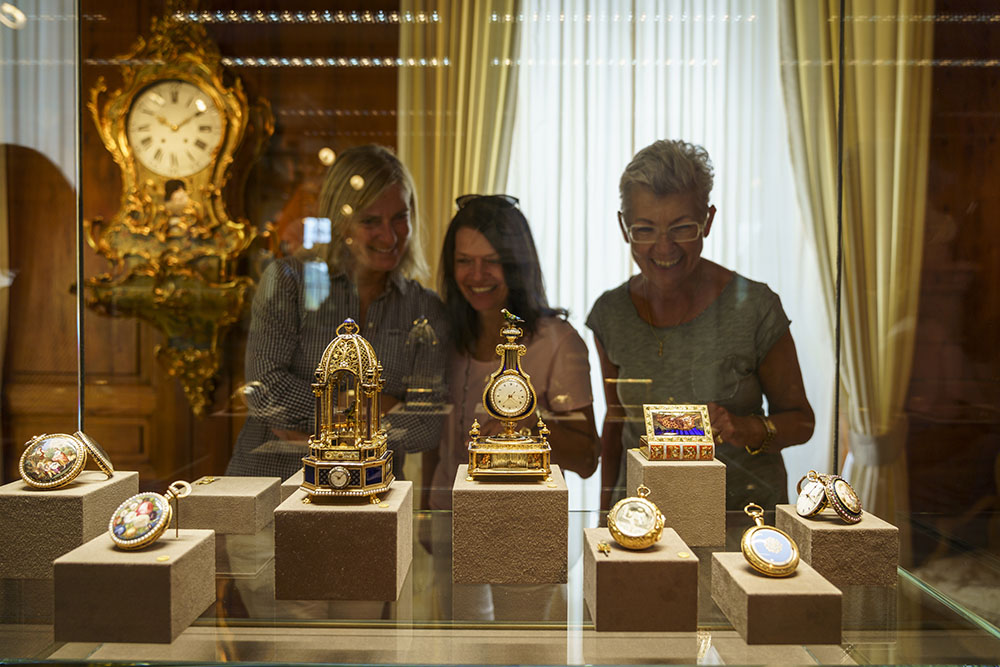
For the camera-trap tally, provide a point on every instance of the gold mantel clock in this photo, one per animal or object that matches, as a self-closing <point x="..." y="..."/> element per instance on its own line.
<point x="183" y="134"/>
<point x="348" y="454"/>
<point x="509" y="398"/>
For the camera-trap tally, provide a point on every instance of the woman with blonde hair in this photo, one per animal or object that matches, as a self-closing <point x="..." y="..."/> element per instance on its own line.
<point x="364" y="273"/>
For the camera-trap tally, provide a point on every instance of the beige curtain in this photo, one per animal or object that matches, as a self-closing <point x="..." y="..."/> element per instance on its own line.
<point x="887" y="93"/>
<point x="456" y="102"/>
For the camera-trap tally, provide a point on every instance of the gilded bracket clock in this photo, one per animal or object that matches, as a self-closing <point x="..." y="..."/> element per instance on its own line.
<point x="183" y="135"/>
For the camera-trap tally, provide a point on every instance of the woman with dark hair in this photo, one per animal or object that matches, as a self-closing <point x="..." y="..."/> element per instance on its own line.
<point x="489" y="263"/>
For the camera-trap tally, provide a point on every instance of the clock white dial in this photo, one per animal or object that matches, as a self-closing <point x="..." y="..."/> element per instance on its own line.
<point x="339" y="477"/>
<point x="811" y="500"/>
<point x="510" y="395"/>
<point x="174" y="128"/>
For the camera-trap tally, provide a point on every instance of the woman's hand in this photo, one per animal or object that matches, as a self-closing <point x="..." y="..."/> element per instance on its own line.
<point x="736" y="431"/>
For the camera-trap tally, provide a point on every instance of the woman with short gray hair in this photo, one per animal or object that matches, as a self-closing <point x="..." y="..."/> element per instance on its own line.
<point x="695" y="332"/>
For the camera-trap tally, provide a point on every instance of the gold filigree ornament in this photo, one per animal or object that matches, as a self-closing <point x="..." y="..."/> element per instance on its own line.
<point x="348" y="453"/>
<point x="53" y="460"/>
<point x="636" y="522"/>
<point x="143" y="518"/>
<point x="184" y="140"/>
<point x="768" y="550"/>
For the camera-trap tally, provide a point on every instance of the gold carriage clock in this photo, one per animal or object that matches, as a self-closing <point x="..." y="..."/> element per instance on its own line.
<point x="509" y="397"/>
<point x="348" y="454"/>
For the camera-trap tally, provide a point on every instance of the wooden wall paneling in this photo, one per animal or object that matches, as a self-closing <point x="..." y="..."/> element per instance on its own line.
<point x="954" y="392"/>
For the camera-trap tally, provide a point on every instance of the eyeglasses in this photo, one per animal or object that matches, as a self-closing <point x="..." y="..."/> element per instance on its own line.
<point x="643" y="233"/>
<point x="509" y="200"/>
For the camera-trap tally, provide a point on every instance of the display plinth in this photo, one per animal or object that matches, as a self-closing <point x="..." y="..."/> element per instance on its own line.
<point x="802" y="608"/>
<point x="37" y="526"/>
<point x="859" y="554"/>
<point x="652" y="590"/>
<point x="509" y="532"/>
<point x="105" y="594"/>
<point x="690" y="494"/>
<point x="231" y="505"/>
<point x="291" y="485"/>
<point x="343" y="548"/>
<point x="241" y="512"/>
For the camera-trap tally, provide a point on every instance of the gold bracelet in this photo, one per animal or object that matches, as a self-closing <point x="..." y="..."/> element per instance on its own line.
<point x="768" y="437"/>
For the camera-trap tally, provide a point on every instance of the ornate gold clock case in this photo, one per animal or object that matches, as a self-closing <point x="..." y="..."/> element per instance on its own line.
<point x="348" y="454"/>
<point x="509" y="397"/>
<point x="184" y="135"/>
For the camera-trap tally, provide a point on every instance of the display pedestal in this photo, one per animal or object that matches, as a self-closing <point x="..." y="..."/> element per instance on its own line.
<point x="343" y="548"/>
<point x="509" y="532"/>
<point x="241" y="512"/>
<point x="37" y="526"/>
<point x="859" y="554"/>
<point x="803" y="608"/>
<point x="690" y="494"/>
<point x="652" y="590"/>
<point x="105" y="594"/>
<point x="291" y="485"/>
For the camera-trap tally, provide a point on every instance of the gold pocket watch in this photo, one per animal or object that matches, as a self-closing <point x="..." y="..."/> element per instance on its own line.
<point x="818" y="491"/>
<point x="143" y="518"/>
<point x="769" y="550"/>
<point x="636" y="522"/>
<point x="53" y="460"/>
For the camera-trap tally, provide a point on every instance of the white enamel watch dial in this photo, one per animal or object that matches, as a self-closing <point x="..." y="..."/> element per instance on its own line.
<point x="510" y="395"/>
<point x="174" y="128"/>
<point x="811" y="500"/>
<point x="339" y="477"/>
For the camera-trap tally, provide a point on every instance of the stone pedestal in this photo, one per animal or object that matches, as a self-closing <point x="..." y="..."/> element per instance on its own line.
<point x="690" y="494"/>
<point x="37" y="526"/>
<point x="105" y="594"/>
<point x="241" y="512"/>
<point x="291" y="485"/>
<point x="653" y="590"/>
<point x="803" y="608"/>
<point x="509" y="532"/>
<point x="343" y="548"/>
<point x="859" y="554"/>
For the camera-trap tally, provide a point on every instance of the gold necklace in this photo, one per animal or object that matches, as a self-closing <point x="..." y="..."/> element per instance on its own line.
<point x="649" y="320"/>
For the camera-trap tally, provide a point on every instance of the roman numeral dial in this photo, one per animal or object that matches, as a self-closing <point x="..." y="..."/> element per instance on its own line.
<point x="174" y="128"/>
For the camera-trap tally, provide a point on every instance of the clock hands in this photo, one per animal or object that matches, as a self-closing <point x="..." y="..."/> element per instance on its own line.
<point x="174" y="128"/>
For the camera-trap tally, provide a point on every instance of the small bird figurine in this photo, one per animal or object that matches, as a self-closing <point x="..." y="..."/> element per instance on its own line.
<point x="511" y="317"/>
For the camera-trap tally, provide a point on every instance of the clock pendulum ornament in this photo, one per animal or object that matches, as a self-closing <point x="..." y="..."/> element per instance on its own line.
<point x="348" y="453"/>
<point x="509" y="398"/>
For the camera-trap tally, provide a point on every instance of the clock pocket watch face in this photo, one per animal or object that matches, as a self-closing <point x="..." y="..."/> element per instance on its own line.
<point x="812" y="499"/>
<point x="174" y="128"/>
<point x="510" y="395"/>
<point x="339" y="477"/>
<point x="635" y="517"/>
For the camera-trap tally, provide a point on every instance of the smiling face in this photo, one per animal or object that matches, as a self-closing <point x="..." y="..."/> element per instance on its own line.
<point x="478" y="271"/>
<point x="377" y="236"/>
<point x="665" y="263"/>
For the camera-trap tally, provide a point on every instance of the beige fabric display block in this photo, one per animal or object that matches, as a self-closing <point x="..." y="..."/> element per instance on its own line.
<point x="803" y="608"/>
<point x="509" y="532"/>
<point x="37" y="526"/>
<point x="652" y="590"/>
<point x="106" y="594"/>
<point x="343" y="548"/>
<point x="690" y="494"/>
<point x="291" y="485"/>
<point x="231" y="505"/>
<point x="859" y="554"/>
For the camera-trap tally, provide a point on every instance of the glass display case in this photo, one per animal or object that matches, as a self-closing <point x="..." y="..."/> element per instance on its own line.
<point x="187" y="214"/>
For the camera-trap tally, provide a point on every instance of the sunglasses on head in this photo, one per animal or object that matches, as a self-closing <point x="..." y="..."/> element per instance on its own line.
<point x="509" y="200"/>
